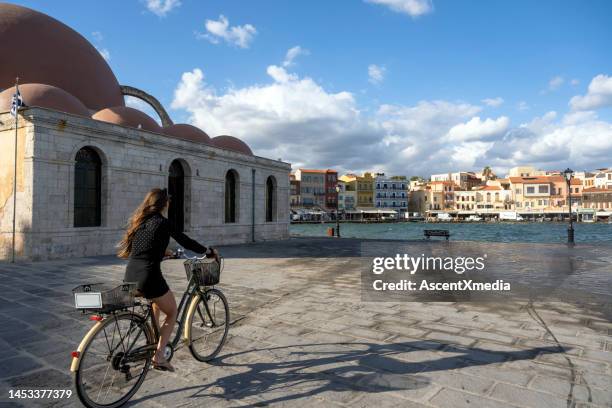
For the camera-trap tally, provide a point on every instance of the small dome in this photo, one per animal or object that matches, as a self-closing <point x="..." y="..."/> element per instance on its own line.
<point x="188" y="132"/>
<point x="39" y="49"/>
<point x="44" y="96"/>
<point x="126" y="116"/>
<point x="232" y="143"/>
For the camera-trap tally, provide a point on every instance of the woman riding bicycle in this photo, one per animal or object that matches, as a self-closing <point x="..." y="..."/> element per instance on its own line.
<point x="145" y="245"/>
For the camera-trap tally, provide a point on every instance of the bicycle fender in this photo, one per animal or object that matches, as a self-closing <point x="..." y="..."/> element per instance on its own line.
<point x="74" y="366"/>
<point x="192" y="308"/>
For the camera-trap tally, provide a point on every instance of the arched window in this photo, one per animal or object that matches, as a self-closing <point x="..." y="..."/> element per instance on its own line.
<point x="176" y="190"/>
<point x="87" y="188"/>
<point x="270" y="199"/>
<point x="231" y="196"/>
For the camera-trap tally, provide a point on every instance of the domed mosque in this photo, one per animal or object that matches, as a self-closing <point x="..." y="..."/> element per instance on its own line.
<point x="85" y="159"/>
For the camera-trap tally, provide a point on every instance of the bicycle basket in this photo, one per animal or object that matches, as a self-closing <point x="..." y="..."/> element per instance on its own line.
<point x="206" y="272"/>
<point x="103" y="298"/>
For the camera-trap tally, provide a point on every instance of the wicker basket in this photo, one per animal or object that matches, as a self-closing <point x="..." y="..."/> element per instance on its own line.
<point x="206" y="272"/>
<point x="104" y="298"/>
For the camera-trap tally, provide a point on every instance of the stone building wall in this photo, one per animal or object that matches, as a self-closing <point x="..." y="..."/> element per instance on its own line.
<point x="133" y="162"/>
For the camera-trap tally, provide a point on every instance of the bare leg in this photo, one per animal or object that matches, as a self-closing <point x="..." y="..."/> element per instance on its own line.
<point x="167" y="305"/>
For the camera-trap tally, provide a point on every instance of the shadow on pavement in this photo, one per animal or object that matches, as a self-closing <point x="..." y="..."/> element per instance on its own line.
<point x="304" y="371"/>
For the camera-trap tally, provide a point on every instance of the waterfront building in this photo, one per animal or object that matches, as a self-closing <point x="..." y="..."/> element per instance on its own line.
<point x="598" y="198"/>
<point x="525" y="171"/>
<point x="85" y="160"/>
<point x="603" y="178"/>
<point x="440" y="195"/>
<point x="365" y="190"/>
<point x="294" y="191"/>
<point x="391" y="192"/>
<point x="465" y="200"/>
<point x="347" y="198"/>
<point x="318" y="188"/>
<point x="493" y="198"/>
<point x="464" y="179"/>
<point x="544" y="193"/>
<point x="417" y="197"/>
<point x="312" y="187"/>
<point x="331" y="195"/>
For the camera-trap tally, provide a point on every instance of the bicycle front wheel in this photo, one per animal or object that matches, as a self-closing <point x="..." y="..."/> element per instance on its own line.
<point x="209" y="324"/>
<point x="115" y="361"/>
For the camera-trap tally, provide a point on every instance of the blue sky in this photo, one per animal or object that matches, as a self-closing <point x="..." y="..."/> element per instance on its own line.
<point x="440" y="65"/>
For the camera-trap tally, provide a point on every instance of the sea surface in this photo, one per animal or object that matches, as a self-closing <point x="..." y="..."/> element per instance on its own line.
<point x="542" y="232"/>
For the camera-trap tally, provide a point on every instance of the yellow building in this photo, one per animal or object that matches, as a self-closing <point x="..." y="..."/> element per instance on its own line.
<point x="364" y="186"/>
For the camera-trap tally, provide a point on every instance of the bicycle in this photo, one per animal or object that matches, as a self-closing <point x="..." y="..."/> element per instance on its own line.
<point x="112" y="361"/>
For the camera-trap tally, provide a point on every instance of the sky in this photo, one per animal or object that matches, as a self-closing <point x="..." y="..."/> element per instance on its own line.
<point x="406" y="87"/>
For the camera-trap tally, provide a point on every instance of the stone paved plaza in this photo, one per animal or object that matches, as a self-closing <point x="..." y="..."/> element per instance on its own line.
<point x="301" y="336"/>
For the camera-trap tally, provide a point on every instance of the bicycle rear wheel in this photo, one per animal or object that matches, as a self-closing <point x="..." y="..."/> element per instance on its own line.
<point x="209" y="325"/>
<point x="115" y="361"/>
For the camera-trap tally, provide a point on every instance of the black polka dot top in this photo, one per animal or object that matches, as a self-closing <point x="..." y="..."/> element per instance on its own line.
<point x="152" y="237"/>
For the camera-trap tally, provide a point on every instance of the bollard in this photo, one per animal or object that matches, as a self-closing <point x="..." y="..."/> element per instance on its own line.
<point x="330" y="232"/>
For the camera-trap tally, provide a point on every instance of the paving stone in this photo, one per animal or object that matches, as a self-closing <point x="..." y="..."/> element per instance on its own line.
<point x="401" y="329"/>
<point x="457" y="399"/>
<point x="497" y="373"/>
<point x="526" y="397"/>
<point x="487" y="335"/>
<point x="441" y="327"/>
<point x="16" y="365"/>
<point x="451" y="338"/>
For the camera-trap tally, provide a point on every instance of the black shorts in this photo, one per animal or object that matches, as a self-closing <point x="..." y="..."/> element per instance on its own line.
<point x="147" y="276"/>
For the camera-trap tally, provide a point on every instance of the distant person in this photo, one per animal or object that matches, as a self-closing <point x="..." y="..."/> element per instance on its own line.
<point x="145" y="245"/>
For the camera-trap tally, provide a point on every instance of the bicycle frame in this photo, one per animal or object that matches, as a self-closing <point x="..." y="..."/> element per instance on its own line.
<point x="187" y="305"/>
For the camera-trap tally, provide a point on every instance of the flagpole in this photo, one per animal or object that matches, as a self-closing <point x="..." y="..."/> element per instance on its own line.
<point x="15" y="174"/>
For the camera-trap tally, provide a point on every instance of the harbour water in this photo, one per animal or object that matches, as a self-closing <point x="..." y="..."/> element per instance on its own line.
<point x="545" y="232"/>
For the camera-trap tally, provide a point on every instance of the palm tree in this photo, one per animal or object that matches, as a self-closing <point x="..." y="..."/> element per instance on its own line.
<point x="488" y="174"/>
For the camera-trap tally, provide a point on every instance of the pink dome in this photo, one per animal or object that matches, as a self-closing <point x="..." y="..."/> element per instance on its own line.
<point x="39" y="49"/>
<point x="232" y="143"/>
<point x="187" y="132"/>
<point x="44" y="96"/>
<point x="126" y="116"/>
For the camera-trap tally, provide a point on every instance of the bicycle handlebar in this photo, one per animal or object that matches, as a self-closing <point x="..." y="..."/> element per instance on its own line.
<point x="180" y="254"/>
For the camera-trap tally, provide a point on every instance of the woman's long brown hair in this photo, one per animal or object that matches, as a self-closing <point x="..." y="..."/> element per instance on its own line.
<point x="154" y="203"/>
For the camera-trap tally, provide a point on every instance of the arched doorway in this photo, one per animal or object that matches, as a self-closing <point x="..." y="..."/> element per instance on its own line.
<point x="176" y="189"/>
<point x="87" y="188"/>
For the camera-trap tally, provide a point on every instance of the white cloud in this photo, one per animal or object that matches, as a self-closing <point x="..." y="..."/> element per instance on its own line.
<point x="296" y="118"/>
<point x="555" y="83"/>
<point x="522" y="106"/>
<point x="493" y="102"/>
<point x="97" y="35"/>
<point x="476" y="129"/>
<point x="376" y="74"/>
<point x="598" y="95"/>
<point x="573" y="118"/>
<point x="162" y="7"/>
<point x="280" y="75"/>
<point x="142" y="106"/>
<point x="292" y="54"/>
<point x="240" y="36"/>
<point x="575" y="82"/>
<point x="413" y="8"/>
<point x="105" y="53"/>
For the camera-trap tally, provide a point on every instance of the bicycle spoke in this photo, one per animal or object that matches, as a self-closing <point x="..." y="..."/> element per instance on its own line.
<point x="106" y="377"/>
<point x="209" y="325"/>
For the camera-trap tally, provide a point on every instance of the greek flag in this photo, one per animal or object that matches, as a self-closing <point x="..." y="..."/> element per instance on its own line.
<point x="17" y="101"/>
